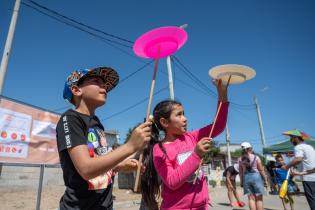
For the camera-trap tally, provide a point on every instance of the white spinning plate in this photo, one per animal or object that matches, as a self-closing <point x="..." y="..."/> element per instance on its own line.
<point x="238" y="73"/>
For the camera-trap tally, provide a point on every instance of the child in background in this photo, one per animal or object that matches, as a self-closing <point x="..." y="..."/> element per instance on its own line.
<point x="175" y="158"/>
<point x="281" y="175"/>
<point x="230" y="174"/>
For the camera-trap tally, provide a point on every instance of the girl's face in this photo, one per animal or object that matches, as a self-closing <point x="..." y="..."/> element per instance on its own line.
<point x="177" y="123"/>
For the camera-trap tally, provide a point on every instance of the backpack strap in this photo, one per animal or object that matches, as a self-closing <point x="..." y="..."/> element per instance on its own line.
<point x="252" y="164"/>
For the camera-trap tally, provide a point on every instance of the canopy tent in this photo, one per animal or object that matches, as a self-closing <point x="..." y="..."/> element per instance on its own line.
<point x="284" y="147"/>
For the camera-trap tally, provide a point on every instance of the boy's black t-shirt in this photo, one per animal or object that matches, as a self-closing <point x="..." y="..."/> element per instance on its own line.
<point x="75" y="129"/>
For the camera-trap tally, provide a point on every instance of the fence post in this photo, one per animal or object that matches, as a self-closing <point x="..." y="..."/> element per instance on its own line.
<point x="40" y="186"/>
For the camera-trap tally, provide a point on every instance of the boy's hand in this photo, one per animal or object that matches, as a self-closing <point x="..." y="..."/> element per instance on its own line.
<point x="141" y="136"/>
<point x="203" y="147"/>
<point x="222" y="90"/>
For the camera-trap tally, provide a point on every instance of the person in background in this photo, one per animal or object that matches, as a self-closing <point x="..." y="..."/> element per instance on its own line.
<point x="252" y="177"/>
<point x="305" y="154"/>
<point x="280" y="175"/>
<point x="230" y="174"/>
<point x="271" y="176"/>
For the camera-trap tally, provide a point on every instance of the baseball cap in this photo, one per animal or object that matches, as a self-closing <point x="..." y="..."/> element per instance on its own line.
<point x="246" y="145"/>
<point x="109" y="75"/>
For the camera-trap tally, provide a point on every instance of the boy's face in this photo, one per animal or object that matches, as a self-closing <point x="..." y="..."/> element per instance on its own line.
<point x="280" y="161"/>
<point x="92" y="90"/>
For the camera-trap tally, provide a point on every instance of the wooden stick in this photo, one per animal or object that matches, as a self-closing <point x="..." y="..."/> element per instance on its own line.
<point x="137" y="179"/>
<point x="210" y="136"/>
<point x="227" y="85"/>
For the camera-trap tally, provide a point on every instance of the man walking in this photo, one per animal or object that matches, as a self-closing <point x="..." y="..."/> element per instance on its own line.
<point x="305" y="154"/>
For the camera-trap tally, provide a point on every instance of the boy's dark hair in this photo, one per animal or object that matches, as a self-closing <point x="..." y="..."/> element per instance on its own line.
<point x="150" y="183"/>
<point x="279" y="156"/>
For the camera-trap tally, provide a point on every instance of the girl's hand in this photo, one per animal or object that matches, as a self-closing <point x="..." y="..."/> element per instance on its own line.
<point x="203" y="147"/>
<point x="128" y="165"/>
<point x="221" y="89"/>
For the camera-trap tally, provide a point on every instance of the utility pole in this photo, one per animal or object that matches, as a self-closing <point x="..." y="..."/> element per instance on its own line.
<point x="170" y="77"/>
<point x="262" y="134"/>
<point x="169" y="71"/>
<point x="227" y="135"/>
<point x="7" y="49"/>
<point x="8" y="44"/>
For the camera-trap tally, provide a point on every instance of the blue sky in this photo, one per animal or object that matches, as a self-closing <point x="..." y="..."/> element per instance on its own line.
<point x="276" y="38"/>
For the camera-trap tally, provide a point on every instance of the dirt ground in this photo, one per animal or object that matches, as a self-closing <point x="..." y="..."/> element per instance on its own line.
<point x="26" y="199"/>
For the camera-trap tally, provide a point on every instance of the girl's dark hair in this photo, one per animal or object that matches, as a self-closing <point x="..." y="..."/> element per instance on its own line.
<point x="150" y="183"/>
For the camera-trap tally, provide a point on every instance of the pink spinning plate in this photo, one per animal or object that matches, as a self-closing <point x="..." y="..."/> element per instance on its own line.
<point x="160" y="42"/>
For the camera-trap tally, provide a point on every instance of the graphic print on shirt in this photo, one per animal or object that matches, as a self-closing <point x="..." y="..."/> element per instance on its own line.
<point x="97" y="146"/>
<point x="181" y="159"/>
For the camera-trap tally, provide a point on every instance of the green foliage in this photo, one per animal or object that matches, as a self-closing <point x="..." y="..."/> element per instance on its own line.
<point x="128" y="135"/>
<point x="130" y="130"/>
<point x="237" y="153"/>
<point x="215" y="150"/>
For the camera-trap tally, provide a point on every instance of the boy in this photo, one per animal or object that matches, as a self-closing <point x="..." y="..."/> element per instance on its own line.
<point x="280" y="175"/>
<point x="85" y="159"/>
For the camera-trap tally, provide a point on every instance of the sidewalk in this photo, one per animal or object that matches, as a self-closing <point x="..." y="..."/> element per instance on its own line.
<point x="127" y="200"/>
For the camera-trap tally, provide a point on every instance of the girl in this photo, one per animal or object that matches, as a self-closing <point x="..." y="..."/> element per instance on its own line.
<point x="174" y="159"/>
<point x="251" y="174"/>
<point x="230" y="174"/>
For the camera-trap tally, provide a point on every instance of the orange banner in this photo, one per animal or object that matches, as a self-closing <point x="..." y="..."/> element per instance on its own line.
<point x="27" y="134"/>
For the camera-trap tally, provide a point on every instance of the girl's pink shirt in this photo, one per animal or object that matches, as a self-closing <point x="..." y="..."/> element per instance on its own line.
<point x="177" y="169"/>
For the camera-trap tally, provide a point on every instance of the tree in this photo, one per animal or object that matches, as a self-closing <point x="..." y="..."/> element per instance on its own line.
<point x="128" y="135"/>
<point x="214" y="151"/>
<point x="237" y="153"/>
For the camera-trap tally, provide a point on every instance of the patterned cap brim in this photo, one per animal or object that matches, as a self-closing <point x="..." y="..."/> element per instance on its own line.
<point x="109" y="75"/>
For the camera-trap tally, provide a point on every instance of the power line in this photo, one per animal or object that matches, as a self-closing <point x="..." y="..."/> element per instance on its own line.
<point x="133" y="73"/>
<point x="77" y="27"/>
<point x="109" y="42"/>
<point x="80" y="23"/>
<point x="193" y="77"/>
<point x="205" y="87"/>
<point x="133" y="106"/>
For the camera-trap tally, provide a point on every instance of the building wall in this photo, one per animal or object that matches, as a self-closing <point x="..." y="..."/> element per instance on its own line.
<point x="27" y="176"/>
